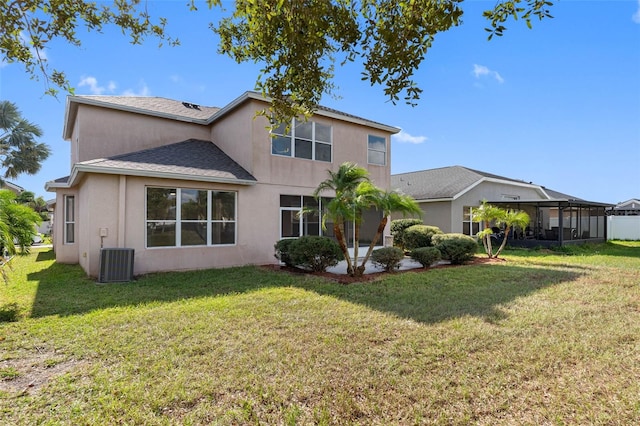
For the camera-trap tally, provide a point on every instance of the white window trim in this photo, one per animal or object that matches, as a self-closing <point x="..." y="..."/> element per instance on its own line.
<point x="313" y="140"/>
<point x="302" y="217"/>
<point x="67" y="222"/>
<point x="178" y="219"/>
<point x="384" y="152"/>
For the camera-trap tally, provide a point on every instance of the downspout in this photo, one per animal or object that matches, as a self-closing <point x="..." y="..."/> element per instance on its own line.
<point x="560" y="224"/>
<point x="122" y="196"/>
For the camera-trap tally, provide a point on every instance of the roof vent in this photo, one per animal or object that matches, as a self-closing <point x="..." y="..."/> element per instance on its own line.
<point x="191" y="106"/>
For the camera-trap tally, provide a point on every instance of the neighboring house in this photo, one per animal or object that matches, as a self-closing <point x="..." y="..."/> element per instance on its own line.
<point x="450" y="195"/>
<point x="16" y="189"/>
<point x="624" y="220"/>
<point x="189" y="187"/>
<point x="626" y="208"/>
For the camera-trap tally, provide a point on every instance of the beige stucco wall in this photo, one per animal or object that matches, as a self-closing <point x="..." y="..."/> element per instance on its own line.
<point x="244" y="137"/>
<point x="116" y="203"/>
<point x="101" y="132"/>
<point x="65" y="253"/>
<point x="258" y="218"/>
<point x="437" y="214"/>
<point x="448" y="215"/>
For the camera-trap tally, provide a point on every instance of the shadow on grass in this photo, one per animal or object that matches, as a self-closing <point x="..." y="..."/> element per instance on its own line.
<point x="431" y="296"/>
<point x="426" y="296"/>
<point x="610" y="248"/>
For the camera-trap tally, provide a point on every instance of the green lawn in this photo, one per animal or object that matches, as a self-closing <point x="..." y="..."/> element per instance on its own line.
<point x="542" y="338"/>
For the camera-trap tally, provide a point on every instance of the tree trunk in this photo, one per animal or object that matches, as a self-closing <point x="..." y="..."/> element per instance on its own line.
<point x="488" y="244"/>
<point x="343" y="246"/>
<point x="356" y="243"/>
<point x="381" y="226"/>
<point x="504" y="241"/>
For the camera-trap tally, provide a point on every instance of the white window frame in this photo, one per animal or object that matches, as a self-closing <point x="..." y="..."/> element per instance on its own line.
<point x="314" y="141"/>
<point x="69" y="220"/>
<point x="303" y="219"/>
<point x="178" y="220"/>
<point x="370" y="150"/>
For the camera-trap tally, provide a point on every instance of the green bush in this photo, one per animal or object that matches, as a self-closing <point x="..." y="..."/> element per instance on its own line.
<point x="398" y="227"/>
<point x="283" y="248"/>
<point x="387" y="257"/>
<point x="419" y="236"/>
<point x="456" y="248"/>
<point x="426" y="256"/>
<point x="315" y="253"/>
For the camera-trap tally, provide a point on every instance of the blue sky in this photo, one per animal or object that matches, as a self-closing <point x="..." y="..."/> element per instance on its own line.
<point x="558" y="105"/>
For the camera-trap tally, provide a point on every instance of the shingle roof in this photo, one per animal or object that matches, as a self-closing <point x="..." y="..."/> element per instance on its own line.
<point x="201" y="160"/>
<point x="447" y="182"/>
<point x="155" y="105"/>
<point x="444" y="182"/>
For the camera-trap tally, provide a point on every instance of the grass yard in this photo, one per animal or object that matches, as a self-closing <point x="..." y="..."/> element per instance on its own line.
<point x="541" y="338"/>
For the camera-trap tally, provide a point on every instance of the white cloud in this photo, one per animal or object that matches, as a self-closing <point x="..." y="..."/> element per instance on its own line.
<point x="481" y="71"/>
<point x="92" y="84"/>
<point x="142" y="91"/>
<point x="96" y="89"/>
<point x="404" y="137"/>
<point x="636" y="16"/>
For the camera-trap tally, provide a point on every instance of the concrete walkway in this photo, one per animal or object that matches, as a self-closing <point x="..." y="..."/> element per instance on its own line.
<point x="370" y="268"/>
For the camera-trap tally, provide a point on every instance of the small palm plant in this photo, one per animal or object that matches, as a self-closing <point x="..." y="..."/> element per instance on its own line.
<point x="488" y="214"/>
<point x="354" y="193"/>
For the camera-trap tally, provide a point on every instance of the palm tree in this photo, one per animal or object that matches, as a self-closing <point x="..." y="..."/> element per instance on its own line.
<point x="512" y="218"/>
<point x="354" y="193"/>
<point x="386" y="202"/>
<point x="342" y="208"/>
<point x="486" y="214"/>
<point x="19" y="151"/>
<point x="38" y="204"/>
<point x="18" y="223"/>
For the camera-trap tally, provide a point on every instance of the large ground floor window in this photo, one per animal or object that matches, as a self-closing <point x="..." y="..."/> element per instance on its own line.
<point x="294" y="224"/>
<point x="469" y="227"/>
<point x="181" y="217"/>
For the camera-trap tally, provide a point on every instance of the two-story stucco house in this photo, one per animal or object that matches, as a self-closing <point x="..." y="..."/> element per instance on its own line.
<point x="188" y="187"/>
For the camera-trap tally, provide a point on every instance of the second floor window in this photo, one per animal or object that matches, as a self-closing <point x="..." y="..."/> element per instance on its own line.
<point x="304" y="139"/>
<point x="377" y="150"/>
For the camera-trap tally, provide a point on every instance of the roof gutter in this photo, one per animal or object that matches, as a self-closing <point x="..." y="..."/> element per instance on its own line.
<point x="79" y="169"/>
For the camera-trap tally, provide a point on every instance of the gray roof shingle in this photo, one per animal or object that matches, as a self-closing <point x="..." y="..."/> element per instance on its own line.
<point x="447" y="182"/>
<point x="192" y="157"/>
<point x="444" y="182"/>
<point x="156" y="105"/>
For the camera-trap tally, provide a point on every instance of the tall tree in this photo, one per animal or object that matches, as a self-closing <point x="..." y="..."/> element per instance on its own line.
<point x="38" y="204"/>
<point x="354" y="194"/>
<point x="19" y="150"/>
<point x="298" y="42"/>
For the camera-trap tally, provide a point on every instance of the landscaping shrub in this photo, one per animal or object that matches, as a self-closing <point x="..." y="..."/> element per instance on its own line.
<point x="398" y="227"/>
<point x="315" y="253"/>
<point x="387" y="257"/>
<point x="456" y="248"/>
<point x="283" y="248"/>
<point x="419" y="236"/>
<point x="426" y="256"/>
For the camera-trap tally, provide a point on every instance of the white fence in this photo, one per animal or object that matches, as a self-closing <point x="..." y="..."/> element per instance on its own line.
<point x="623" y="227"/>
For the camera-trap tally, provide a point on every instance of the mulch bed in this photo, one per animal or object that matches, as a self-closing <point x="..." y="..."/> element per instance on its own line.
<point x="346" y="279"/>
